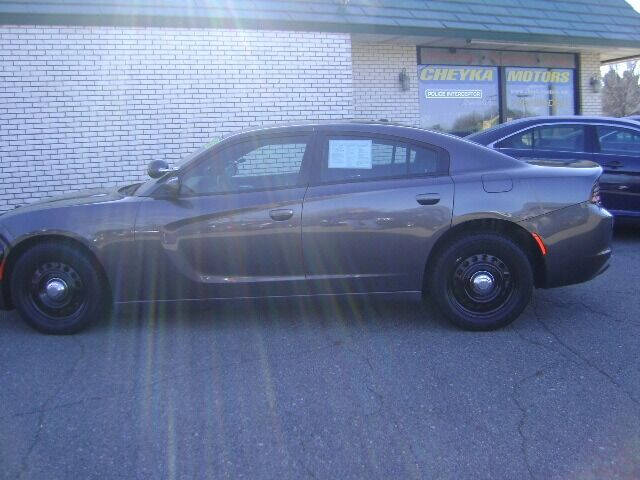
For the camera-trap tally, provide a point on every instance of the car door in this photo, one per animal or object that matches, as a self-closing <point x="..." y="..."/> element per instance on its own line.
<point x="371" y="212"/>
<point x="617" y="150"/>
<point x="235" y="228"/>
<point x="557" y="142"/>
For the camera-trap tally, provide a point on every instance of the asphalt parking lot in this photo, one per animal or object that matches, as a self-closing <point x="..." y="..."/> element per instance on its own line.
<point x="333" y="389"/>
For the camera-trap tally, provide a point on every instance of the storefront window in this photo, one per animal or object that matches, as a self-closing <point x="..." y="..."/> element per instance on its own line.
<point x="458" y="99"/>
<point x="538" y="91"/>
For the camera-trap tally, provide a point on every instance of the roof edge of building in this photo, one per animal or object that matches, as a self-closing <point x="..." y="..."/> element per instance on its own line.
<point x="146" y="21"/>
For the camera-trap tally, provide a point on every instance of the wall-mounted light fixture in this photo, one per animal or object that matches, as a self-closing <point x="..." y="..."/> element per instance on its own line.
<point x="404" y="80"/>
<point x="596" y="83"/>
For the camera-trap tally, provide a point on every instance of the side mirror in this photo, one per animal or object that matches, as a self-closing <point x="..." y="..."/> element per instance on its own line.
<point x="157" y="168"/>
<point x="168" y="189"/>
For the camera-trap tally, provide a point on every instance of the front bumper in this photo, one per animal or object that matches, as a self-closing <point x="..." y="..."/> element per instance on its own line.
<point x="578" y="241"/>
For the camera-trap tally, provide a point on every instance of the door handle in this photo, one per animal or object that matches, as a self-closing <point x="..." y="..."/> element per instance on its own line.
<point x="615" y="164"/>
<point x="428" y="198"/>
<point x="280" y="214"/>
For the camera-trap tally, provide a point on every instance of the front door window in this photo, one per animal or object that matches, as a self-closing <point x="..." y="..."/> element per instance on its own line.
<point x="259" y="164"/>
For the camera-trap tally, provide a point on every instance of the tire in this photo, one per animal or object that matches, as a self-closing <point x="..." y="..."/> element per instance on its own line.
<point x="56" y="289"/>
<point x="482" y="281"/>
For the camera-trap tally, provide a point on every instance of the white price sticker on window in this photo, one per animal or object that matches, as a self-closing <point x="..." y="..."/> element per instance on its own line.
<point x="350" y="154"/>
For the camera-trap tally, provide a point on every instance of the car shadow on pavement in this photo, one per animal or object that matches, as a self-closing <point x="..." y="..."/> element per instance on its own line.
<point x="386" y="311"/>
<point x="322" y="312"/>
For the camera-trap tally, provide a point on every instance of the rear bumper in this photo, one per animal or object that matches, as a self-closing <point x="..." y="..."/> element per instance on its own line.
<point x="5" y="303"/>
<point x="584" y="269"/>
<point x="578" y="241"/>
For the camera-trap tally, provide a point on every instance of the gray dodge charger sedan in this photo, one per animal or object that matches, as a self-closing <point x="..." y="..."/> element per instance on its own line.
<point x="329" y="209"/>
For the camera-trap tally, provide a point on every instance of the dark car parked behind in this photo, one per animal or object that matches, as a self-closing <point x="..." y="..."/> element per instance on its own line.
<point x="332" y="209"/>
<point x="614" y="143"/>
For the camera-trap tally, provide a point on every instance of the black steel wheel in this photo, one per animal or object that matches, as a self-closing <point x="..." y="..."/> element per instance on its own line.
<point x="482" y="281"/>
<point x="481" y="284"/>
<point x="57" y="289"/>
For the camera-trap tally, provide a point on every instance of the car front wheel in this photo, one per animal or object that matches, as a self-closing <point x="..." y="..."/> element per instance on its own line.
<point x="57" y="289"/>
<point x="481" y="281"/>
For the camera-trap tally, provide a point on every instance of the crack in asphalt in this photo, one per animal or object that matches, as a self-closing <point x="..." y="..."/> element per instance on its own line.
<point x="584" y="360"/>
<point x="388" y="411"/>
<point x="139" y="388"/>
<point x="304" y="466"/>
<point x="547" y="348"/>
<point x="524" y="416"/>
<point x="43" y="411"/>
<point x="578" y="359"/>
<point x="567" y="352"/>
<point x="588" y="308"/>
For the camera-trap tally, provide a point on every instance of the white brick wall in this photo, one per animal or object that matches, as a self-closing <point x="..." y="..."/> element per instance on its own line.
<point x="590" y="102"/>
<point x="91" y="106"/>
<point x="377" y="91"/>
<point x="88" y="107"/>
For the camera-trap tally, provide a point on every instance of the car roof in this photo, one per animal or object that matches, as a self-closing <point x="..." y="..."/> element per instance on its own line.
<point x="347" y="122"/>
<point x="381" y="127"/>
<point x="500" y="131"/>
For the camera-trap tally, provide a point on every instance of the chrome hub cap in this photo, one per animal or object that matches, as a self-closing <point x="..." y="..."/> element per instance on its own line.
<point x="56" y="289"/>
<point x="482" y="282"/>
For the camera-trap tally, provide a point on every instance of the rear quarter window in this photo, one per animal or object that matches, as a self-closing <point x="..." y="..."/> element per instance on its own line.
<point x="618" y="141"/>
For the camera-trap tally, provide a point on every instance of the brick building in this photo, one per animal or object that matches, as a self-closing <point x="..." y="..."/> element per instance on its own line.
<point x="92" y="91"/>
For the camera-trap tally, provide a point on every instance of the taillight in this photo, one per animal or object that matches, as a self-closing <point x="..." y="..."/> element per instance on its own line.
<point x="595" y="194"/>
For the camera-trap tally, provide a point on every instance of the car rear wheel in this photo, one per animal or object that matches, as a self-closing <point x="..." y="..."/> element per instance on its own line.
<point x="57" y="290"/>
<point x="482" y="281"/>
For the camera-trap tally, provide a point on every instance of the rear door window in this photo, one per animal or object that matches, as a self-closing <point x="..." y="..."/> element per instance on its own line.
<point x="559" y="138"/>
<point x="353" y="158"/>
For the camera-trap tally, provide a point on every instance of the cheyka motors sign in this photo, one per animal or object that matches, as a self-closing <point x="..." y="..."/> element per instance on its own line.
<point x="539" y="91"/>
<point x="453" y="96"/>
<point x="445" y="82"/>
